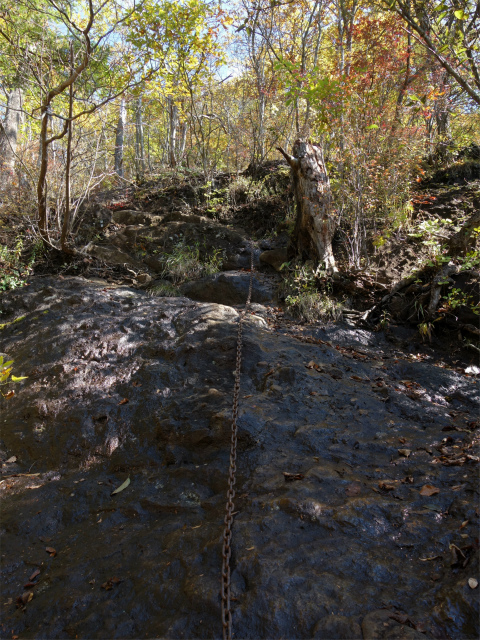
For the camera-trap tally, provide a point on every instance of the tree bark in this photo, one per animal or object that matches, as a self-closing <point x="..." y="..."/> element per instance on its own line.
<point x="68" y="164"/>
<point x="315" y="224"/>
<point x="9" y="130"/>
<point x="119" y="137"/>
<point x="139" y="141"/>
<point x="183" y="141"/>
<point x="172" y="138"/>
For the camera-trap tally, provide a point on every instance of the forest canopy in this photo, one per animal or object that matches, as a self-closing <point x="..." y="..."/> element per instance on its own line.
<point x="100" y="93"/>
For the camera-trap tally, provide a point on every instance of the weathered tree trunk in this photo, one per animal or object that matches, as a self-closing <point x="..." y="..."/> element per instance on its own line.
<point x="9" y="130"/>
<point x="139" y="141"/>
<point x="315" y="224"/>
<point x="119" y="136"/>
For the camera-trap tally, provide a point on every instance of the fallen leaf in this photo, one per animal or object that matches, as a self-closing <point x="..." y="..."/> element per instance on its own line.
<point x="11" y="460"/>
<point x="429" y="490"/>
<point x="353" y="489"/>
<point x="24" y="598"/>
<point x="123" y="486"/>
<point x="405" y="452"/>
<point x="472" y="583"/>
<point x="34" y="574"/>
<point x="290" y="477"/>
<point x="357" y="378"/>
<point x="385" y="485"/>
<point x="51" y="551"/>
<point x="10" y="394"/>
<point x="458" y="557"/>
<point x="110" y="583"/>
<point x="124" y="401"/>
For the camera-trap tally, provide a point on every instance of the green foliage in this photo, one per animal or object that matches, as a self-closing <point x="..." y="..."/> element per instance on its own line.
<point x="425" y="329"/>
<point x="456" y="298"/>
<point x="163" y="289"/>
<point x="300" y="289"/>
<point x="13" y="270"/>
<point x="184" y="263"/>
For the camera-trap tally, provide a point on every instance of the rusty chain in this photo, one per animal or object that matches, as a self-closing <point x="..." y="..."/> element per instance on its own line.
<point x="227" y="534"/>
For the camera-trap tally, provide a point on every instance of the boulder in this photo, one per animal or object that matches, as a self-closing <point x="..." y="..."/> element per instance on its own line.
<point x="111" y="254"/>
<point x="274" y="257"/>
<point x="228" y="288"/>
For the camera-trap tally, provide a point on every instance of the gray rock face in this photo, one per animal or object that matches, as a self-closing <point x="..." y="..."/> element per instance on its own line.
<point x="122" y="385"/>
<point x="337" y="628"/>
<point x="382" y="625"/>
<point x="230" y="288"/>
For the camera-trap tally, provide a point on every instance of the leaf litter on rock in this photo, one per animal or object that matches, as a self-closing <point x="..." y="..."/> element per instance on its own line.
<point x="109" y="584"/>
<point x="429" y="490"/>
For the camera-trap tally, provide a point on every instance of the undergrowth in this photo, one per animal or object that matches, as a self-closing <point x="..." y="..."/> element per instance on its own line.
<point x="184" y="263"/>
<point x="14" y="266"/>
<point x="307" y="294"/>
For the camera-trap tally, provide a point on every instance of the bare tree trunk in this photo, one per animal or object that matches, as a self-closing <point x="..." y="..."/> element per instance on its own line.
<point x="66" y="217"/>
<point x="139" y="141"/>
<point x="183" y="141"/>
<point x="315" y="225"/>
<point x="119" y="139"/>
<point x="42" y="177"/>
<point x="9" y="130"/>
<point x="172" y="138"/>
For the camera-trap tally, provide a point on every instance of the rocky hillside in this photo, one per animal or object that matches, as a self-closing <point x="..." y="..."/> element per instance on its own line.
<point x="357" y="489"/>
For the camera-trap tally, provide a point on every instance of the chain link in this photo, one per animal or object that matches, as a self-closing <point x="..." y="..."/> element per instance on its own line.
<point x="227" y="534"/>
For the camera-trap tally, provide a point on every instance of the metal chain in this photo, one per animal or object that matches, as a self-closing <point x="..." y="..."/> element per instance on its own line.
<point x="227" y="534"/>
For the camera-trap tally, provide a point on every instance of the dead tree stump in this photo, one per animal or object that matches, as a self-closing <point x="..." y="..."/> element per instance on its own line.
<point x="315" y="224"/>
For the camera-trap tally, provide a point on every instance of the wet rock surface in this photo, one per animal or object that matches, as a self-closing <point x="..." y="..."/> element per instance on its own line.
<point x="356" y="494"/>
